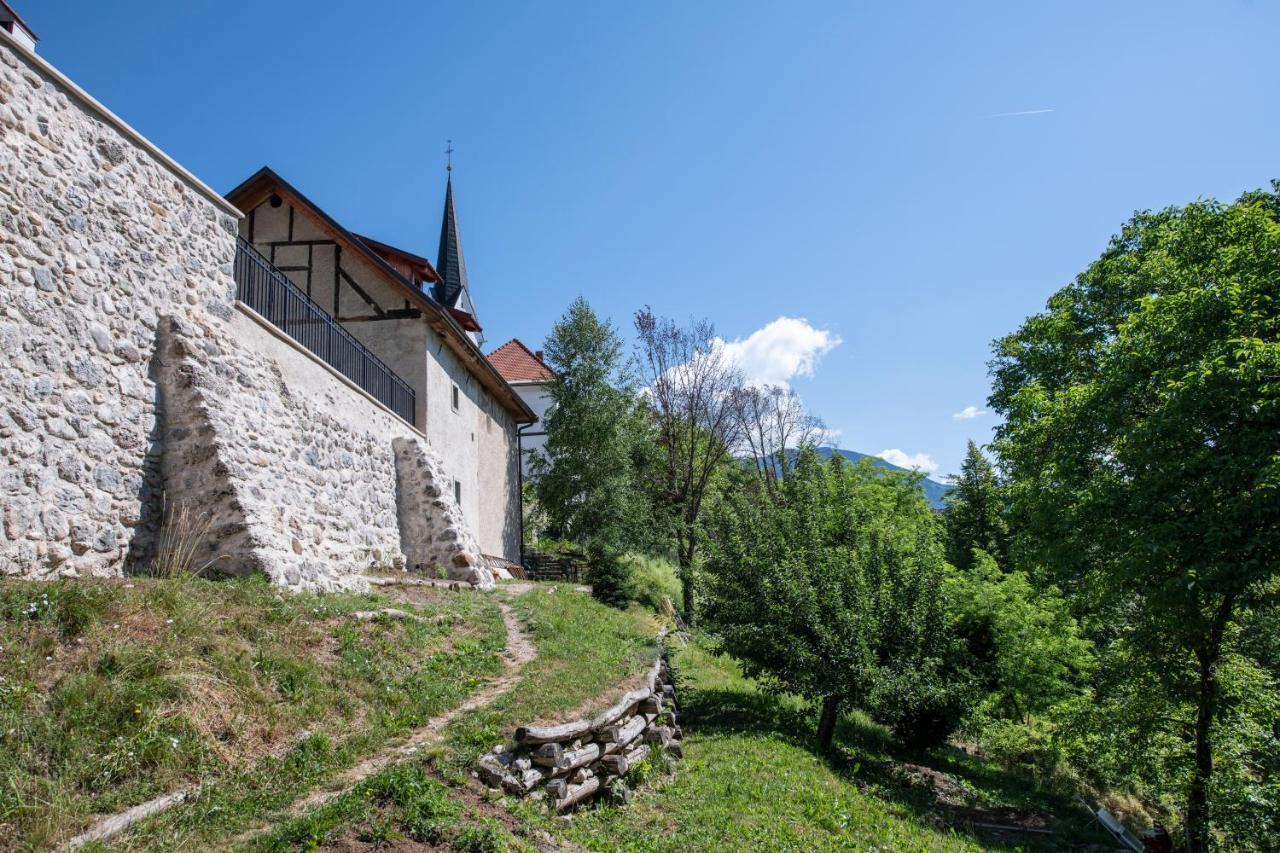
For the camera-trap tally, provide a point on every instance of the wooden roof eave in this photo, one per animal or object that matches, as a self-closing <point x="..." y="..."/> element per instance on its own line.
<point x="265" y="183"/>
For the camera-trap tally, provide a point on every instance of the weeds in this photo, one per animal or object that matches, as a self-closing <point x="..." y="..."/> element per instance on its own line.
<point x="182" y="538"/>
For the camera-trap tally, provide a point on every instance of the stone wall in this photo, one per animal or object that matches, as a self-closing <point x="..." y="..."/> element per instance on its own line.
<point x="99" y="240"/>
<point x="131" y="385"/>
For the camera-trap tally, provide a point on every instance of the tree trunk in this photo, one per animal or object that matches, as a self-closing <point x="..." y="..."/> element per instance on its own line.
<point x="827" y="722"/>
<point x="685" y="560"/>
<point x="1197" y="823"/>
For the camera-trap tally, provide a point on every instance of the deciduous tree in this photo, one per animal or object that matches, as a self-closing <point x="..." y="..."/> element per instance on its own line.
<point x="832" y="591"/>
<point x="691" y="384"/>
<point x="1142" y="443"/>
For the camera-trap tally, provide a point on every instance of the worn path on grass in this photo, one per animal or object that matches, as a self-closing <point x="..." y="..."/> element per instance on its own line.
<point x="519" y="651"/>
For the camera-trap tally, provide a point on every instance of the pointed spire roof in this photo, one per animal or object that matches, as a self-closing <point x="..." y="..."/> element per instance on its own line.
<point x="449" y="262"/>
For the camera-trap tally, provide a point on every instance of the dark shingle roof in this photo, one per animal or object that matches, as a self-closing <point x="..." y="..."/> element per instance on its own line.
<point x="449" y="262"/>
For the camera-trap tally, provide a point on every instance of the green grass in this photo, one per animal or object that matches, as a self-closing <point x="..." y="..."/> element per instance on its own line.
<point x="652" y="580"/>
<point x="114" y="692"/>
<point x="753" y="778"/>
<point x="586" y="650"/>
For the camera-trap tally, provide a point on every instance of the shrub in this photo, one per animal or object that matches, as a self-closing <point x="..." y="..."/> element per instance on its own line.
<point x="609" y="576"/>
<point x="921" y="708"/>
<point x="654" y="579"/>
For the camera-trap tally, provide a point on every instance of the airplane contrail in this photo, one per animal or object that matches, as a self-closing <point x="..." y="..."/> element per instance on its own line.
<point x="1019" y="113"/>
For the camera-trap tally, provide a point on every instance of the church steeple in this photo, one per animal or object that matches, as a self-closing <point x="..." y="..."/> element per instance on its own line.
<point x="449" y="261"/>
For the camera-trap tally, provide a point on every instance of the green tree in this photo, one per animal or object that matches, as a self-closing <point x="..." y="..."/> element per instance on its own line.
<point x="974" y="517"/>
<point x="831" y="591"/>
<point x="584" y="476"/>
<point x="1023" y="638"/>
<point x="1142" y="445"/>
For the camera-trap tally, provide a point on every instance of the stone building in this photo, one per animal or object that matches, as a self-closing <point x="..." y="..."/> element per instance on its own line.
<point x="240" y="371"/>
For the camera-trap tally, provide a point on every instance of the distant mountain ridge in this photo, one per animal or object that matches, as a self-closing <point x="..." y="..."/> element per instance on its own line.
<point x="934" y="491"/>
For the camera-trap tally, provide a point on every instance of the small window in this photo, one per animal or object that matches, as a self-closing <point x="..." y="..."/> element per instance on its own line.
<point x="457" y="492"/>
<point x="456" y="397"/>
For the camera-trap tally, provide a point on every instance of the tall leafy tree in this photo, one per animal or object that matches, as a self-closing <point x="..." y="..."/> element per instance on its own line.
<point x="584" y="476"/>
<point x="974" y="517"/>
<point x="832" y="591"/>
<point x="1023" y="638"/>
<point x="1142" y="443"/>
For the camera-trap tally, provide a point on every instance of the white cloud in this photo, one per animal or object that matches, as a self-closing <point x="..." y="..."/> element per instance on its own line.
<point x="922" y="461"/>
<point x="777" y="353"/>
<point x="968" y="413"/>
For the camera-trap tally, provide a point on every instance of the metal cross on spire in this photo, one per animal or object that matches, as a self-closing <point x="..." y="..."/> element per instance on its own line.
<point x="448" y="153"/>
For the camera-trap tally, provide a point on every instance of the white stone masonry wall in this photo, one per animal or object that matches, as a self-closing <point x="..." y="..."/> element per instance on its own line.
<point x="97" y="241"/>
<point x="129" y="381"/>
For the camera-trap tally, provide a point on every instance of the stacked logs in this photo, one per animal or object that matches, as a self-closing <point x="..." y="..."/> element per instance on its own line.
<point x="573" y="763"/>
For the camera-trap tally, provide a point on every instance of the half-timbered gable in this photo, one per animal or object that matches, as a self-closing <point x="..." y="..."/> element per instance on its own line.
<point x="383" y="296"/>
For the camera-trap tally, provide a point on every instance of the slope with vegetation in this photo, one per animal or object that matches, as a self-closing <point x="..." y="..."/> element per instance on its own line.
<point x="113" y="692"/>
<point x="586" y="651"/>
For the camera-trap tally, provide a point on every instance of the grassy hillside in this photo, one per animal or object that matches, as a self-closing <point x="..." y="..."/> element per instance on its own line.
<point x="113" y="692"/>
<point x="754" y="779"/>
<point x="585" y="652"/>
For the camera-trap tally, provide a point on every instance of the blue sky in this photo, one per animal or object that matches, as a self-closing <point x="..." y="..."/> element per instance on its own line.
<point x="863" y="167"/>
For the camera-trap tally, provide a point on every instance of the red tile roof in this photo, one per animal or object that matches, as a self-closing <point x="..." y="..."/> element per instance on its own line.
<point x="517" y="364"/>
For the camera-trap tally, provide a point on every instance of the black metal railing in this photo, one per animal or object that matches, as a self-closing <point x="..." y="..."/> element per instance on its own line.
<point x="267" y="291"/>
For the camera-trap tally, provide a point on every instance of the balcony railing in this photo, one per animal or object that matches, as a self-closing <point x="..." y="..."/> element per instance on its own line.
<point x="267" y="291"/>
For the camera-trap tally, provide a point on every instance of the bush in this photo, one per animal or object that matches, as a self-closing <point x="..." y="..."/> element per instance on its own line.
<point x="652" y="580"/>
<point x="920" y="707"/>
<point x="609" y="576"/>
<point x="1019" y="745"/>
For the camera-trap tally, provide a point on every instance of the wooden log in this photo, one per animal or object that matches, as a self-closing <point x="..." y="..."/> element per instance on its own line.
<point x="677" y="733"/>
<point x="522" y="781"/>
<point x="668" y="692"/>
<point x="550" y="755"/>
<point x="581" y="775"/>
<point x="578" y="793"/>
<point x="615" y="765"/>
<point x="549" y="734"/>
<point x="651" y="678"/>
<point x="657" y="735"/>
<point x="675" y="748"/>
<point x="636" y="754"/>
<point x="581" y="756"/>
<point x="626" y="732"/>
<point x="493" y="771"/>
<point x="651" y="705"/>
<point x="557" y="789"/>
<point x="623" y="707"/>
